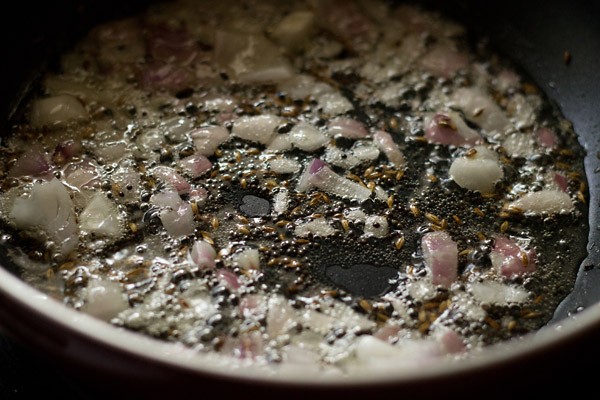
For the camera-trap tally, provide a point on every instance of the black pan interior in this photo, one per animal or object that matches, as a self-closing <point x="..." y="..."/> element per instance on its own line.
<point x="535" y="37"/>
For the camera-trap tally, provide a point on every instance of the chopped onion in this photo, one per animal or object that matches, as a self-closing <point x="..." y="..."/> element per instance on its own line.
<point x="101" y="218"/>
<point x="386" y="143"/>
<point x="519" y="144"/>
<point x="318" y="174"/>
<point x="56" y="111"/>
<point x="509" y="259"/>
<point x="546" y="137"/>
<point x="444" y="60"/>
<point x="544" y="202"/>
<point x="491" y="292"/>
<point x="175" y="214"/>
<point x="176" y="128"/>
<point x="159" y="75"/>
<point x="259" y="128"/>
<point x="48" y="213"/>
<point x="284" y="166"/>
<point x="302" y="86"/>
<point x="450" y="129"/>
<point x="307" y="137"/>
<point x="281" y="317"/>
<point x="478" y="172"/>
<point x="84" y="174"/>
<point x="203" y="254"/>
<point x="196" y="165"/>
<point x="347" y="127"/>
<point x="247" y="259"/>
<point x="280" y="201"/>
<point x="207" y="139"/>
<point x="280" y="143"/>
<point x="229" y="278"/>
<point x="481" y="109"/>
<point x="376" y="226"/>
<point x="105" y="299"/>
<point x="250" y="58"/>
<point x="334" y="104"/>
<point x="171" y="178"/>
<point x="440" y="253"/>
<point x="33" y="162"/>
<point x="317" y="227"/>
<point x="295" y="30"/>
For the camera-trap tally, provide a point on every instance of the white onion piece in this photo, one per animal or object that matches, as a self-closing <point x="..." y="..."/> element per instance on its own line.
<point x="203" y="254"/>
<point x="522" y="110"/>
<point x="317" y="321"/>
<point x="478" y="172"/>
<point x="546" y="137"/>
<point x="376" y="354"/>
<point x="151" y="139"/>
<point x="247" y="259"/>
<point x="300" y="355"/>
<point x="510" y="259"/>
<point x="386" y="143"/>
<point x="347" y="22"/>
<point x="519" y="144"/>
<point x="334" y="104"/>
<point x="440" y="253"/>
<point x="281" y="317"/>
<point x="481" y="109"/>
<point x="111" y="151"/>
<point x="444" y="60"/>
<point x="196" y="165"/>
<point x="207" y="139"/>
<point x="544" y="202"/>
<point x="59" y="85"/>
<point x="347" y="127"/>
<point x="491" y="292"/>
<point x="54" y="112"/>
<point x="280" y="143"/>
<point x="317" y="227"/>
<point x="258" y="128"/>
<point x="229" y="279"/>
<point x="101" y="217"/>
<point x="171" y="178"/>
<point x="448" y="128"/>
<point x="341" y="158"/>
<point x="376" y="226"/>
<point x="33" y="162"/>
<point x="127" y="177"/>
<point x="84" y="174"/>
<point x="295" y="30"/>
<point x="198" y="195"/>
<point x="176" y="128"/>
<point x="250" y="58"/>
<point x="506" y="80"/>
<point x="318" y="174"/>
<point x="280" y="201"/>
<point x="105" y="299"/>
<point x="300" y="87"/>
<point x="449" y="341"/>
<point x="175" y="214"/>
<point x="284" y="166"/>
<point x="365" y="150"/>
<point x="49" y="214"/>
<point x="307" y="137"/>
<point x="221" y="103"/>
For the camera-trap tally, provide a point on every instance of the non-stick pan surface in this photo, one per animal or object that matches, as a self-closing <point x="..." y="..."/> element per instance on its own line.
<point x="536" y="36"/>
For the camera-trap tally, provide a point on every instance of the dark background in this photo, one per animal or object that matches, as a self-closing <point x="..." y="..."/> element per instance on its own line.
<point x="534" y="34"/>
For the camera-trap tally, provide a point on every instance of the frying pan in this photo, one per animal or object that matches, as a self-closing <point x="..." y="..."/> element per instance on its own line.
<point x="535" y="37"/>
